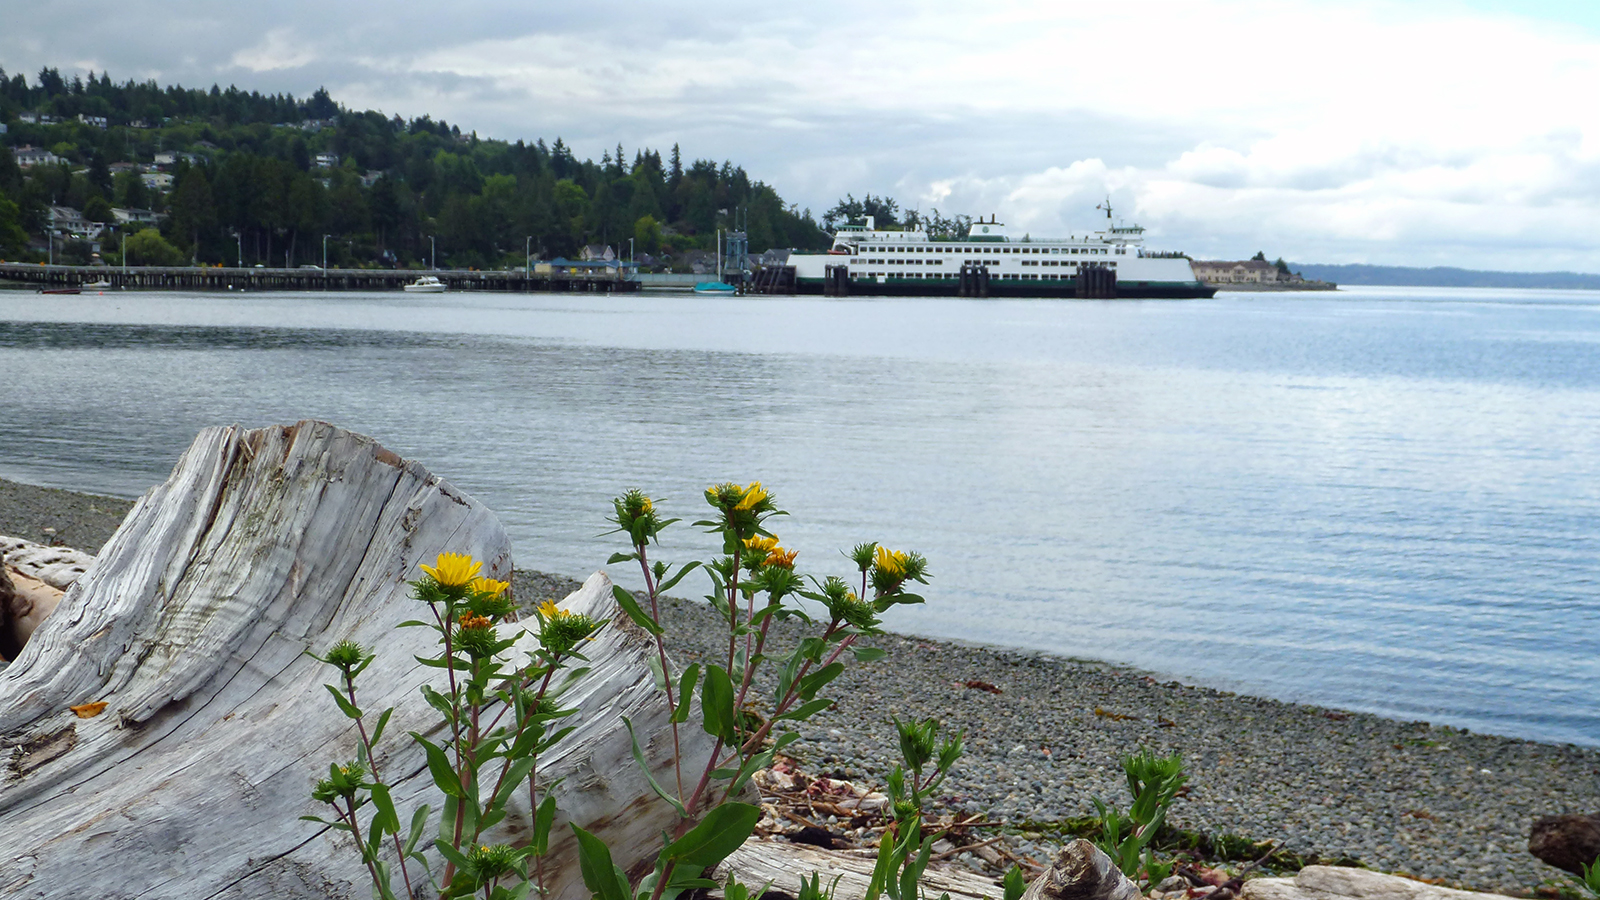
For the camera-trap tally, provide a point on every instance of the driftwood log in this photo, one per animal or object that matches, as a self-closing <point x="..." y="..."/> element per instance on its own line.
<point x="32" y="580"/>
<point x="191" y="628"/>
<point x="1340" y="883"/>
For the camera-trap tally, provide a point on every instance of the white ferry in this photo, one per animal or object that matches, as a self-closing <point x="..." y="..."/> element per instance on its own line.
<point x="989" y="262"/>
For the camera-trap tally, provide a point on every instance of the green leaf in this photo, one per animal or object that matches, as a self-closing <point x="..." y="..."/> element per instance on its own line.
<point x="542" y="820"/>
<point x="419" y="821"/>
<point x="383" y="720"/>
<point x="621" y="557"/>
<point x="814" y="682"/>
<point x="599" y="872"/>
<point x="716" y="704"/>
<point x="345" y="706"/>
<point x="439" y="766"/>
<point x="514" y="776"/>
<point x="671" y="582"/>
<point x="868" y="654"/>
<point x="386" y="820"/>
<point x="807" y="710"/>
<point x="1015" y="885"/>
<point x="634" y="611"/>
<point x="638" y="757"/>
<point x="722" y="831"/>
<point x="686" y="683"/>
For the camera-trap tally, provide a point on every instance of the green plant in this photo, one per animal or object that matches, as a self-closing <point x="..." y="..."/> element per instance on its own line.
<point x="1153" y="781"/>
<point x="903" y="851"/>
<point x="1591" y="878"/>
<point x="753" y="586"/>
<point x="496" y="719"/>
<point x="498" y="716"/>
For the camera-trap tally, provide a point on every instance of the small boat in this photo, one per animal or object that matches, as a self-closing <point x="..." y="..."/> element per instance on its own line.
<point x="714" y="287"/>
<point x="65" y="290"/>
<point x="427" y="284"/>
<point x="100" y="285"/>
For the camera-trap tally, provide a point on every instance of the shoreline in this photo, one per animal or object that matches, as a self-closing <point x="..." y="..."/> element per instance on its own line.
<point x="1430" y="801"/>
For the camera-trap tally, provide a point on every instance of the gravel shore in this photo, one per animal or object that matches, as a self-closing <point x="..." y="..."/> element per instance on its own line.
<point x="1406" y="797"/>
<point x="1432" y="802"/>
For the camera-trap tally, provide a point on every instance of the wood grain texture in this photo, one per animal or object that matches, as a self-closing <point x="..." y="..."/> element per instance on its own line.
<point x="192" y="625"/>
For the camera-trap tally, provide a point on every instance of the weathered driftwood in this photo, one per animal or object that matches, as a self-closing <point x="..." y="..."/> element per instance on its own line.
<point x="192" y="627"/>
<point x="32" y="580"/>
<point x="1339" y="883"/>
<point x="1081" y="871"/>
<point x="783" y="864"/>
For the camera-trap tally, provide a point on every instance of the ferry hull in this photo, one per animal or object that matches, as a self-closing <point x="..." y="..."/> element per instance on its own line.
<point x="1060" y="288"/>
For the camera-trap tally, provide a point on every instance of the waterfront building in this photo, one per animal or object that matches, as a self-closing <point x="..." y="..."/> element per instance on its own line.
<point x="1244" y="271"/>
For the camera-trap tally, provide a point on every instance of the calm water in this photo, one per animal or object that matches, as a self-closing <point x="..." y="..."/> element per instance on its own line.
<point x="1386" y="500"/>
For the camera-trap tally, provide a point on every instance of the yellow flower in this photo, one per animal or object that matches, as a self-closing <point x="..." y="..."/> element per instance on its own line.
<point x="488" y="586"/>
<point x="752" y="495"/>
<point x="549" y="610"/>
<point x="760" y="544"/>
<point x="892" y="562"/>
<point x="453" y="569"/>
<point x="646" y="506"/>
<point x="783" y="559"/>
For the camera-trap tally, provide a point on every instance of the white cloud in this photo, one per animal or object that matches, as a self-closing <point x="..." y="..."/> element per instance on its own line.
<point x="279" y="49"/>
<point x="1374" y="130"/>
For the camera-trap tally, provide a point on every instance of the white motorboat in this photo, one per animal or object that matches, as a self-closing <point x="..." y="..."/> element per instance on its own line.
<point x="427" y="284"/>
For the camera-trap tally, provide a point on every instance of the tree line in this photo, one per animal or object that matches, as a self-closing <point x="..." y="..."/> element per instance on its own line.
<point x="270" y="175"/>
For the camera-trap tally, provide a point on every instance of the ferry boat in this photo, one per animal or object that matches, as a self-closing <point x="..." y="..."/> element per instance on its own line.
<point x="991" y="262"/>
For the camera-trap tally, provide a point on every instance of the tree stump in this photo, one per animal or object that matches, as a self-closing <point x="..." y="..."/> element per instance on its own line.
<point x="192" y="627"/>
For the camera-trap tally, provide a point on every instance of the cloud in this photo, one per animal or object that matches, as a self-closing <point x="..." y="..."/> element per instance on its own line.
<point x="1340" y="131"/>
<point x="279" y="49"/>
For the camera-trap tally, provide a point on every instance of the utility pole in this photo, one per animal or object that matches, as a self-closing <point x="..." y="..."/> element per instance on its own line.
<point x="240" y="240"/>
<point x="527" y="252"/>
<point x="433" y="266"/>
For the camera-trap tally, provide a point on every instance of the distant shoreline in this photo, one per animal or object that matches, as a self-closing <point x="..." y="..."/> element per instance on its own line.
<point x="1444" y="276"/>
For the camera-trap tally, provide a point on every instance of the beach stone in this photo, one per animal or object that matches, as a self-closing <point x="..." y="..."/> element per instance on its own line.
<point x="1338" y="883"/>
<point x="1566" y="842"/>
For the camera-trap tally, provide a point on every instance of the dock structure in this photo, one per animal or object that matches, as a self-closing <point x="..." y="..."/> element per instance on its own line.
<point x="201" y="278"/>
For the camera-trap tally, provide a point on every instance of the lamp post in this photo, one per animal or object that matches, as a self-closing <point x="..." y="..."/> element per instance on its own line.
<point x="324" y="257"/>
<point x="433" y="266"/>
<point x="527" y="252"/>
<point x="239" y="239"/>
<point x="124" y="235"/>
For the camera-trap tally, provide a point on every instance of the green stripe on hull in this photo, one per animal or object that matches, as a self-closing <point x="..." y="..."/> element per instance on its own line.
<point x="1061" y="288"/>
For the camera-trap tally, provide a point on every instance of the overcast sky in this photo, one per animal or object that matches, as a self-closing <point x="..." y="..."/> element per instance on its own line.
<point x="1439" y="132"/>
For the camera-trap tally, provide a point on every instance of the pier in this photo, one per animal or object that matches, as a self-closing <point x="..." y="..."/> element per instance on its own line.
<point x="200" y="278"/>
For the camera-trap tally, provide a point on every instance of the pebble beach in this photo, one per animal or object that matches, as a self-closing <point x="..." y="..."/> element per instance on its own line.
<point x="1043" y="735"/>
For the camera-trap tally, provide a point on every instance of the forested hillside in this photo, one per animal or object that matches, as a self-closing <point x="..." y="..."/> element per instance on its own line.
<point x="266" y="177"/>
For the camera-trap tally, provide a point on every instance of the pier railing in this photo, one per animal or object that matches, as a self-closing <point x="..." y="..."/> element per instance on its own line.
<point x="202" y="278"/>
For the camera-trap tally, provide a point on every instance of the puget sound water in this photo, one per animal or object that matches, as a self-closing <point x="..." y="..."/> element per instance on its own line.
<point x="1382" y="499"/>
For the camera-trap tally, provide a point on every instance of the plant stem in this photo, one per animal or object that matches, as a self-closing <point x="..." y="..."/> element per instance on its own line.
<point x="666" y="673"/>
<point x="372" y="764"/>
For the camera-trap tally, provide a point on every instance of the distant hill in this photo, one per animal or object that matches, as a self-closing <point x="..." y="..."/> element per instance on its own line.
<point x="1445" y="276"/>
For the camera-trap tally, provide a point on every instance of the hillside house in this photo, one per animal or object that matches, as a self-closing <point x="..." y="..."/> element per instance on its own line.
<point x="27" y="156"/>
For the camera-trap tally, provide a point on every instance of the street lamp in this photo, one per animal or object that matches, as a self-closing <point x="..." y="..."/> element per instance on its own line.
<point x="240" y="240"/>
<point x="432" y="263"/>
<point x="527" y="251"/>
<point x="324" y="256"/>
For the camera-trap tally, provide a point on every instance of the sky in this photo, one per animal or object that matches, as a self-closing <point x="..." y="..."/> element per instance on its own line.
<point x="1433" y="132"/>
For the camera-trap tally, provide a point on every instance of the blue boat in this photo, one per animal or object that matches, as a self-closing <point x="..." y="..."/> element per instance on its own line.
<point x="714" y="287"/>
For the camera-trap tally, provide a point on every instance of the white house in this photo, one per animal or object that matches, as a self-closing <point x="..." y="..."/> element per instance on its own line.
<point x="159" y="181"/>
<point x="34" y="156"/>
<point x="92" y="121"/>
<point x="135" y="216"/>
<point x="326" y="160"/>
